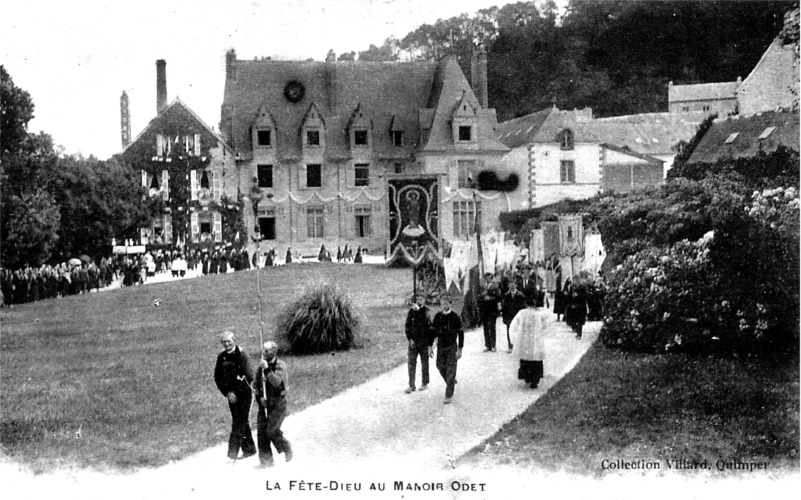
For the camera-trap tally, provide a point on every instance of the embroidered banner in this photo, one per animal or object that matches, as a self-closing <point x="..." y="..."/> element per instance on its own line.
<point x="571" y="236"/>
<point x="413" y="218"/>
<point x="551" y="239"/>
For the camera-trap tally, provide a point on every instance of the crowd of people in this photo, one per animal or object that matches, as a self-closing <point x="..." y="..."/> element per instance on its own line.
<point x="31" y="284"/>
<point x="521" y="300"/>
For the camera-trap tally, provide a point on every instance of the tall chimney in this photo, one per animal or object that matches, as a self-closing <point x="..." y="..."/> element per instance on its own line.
<point x="481" y="63"/>
<point x="161" y="85"/>
<point x="230" y="65"/>
<point x="125" y="121"/>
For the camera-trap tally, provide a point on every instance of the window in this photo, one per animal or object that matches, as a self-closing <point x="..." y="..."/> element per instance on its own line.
<point x="464" y="218"/>
<point x="566" y="140"/>
<point x="204" y="180"/>
<point x="399" y="168"/>
<point x="314" y="177"/>
<point x="766" y="133"/>
<point x="705" y="108"/>
<point x="205" y="227"/>
<point x="397" y="138"/>
<point x="313" y="137"/>
<point x="360" y="138"/>
<point x="315" y="222"/>
<point x="465" y="133"/>
<point x="567" y="172"/>
<point x="362" y="174"/>
<point x="685" y="109"/>
<point x="264" y="138"/>
<point x="363" y="221"/>
<point x="731" y="137"/>
<point x="465" y="173"/>
<point x="265" y="176"/>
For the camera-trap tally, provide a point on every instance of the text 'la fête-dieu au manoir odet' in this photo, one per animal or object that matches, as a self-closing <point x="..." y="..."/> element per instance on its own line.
<point x="294" y="485"/>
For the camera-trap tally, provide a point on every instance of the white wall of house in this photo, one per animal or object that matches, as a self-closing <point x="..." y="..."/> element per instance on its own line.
<point x="545" y="161"/>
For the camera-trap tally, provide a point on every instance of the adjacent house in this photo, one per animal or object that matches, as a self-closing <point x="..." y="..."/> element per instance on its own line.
<point x="319" y="144"/>
<point x="570" y="154"/>
<point x="708" y="98"/>
<point x="186" y="169"/>
<point x="747" y="136"/>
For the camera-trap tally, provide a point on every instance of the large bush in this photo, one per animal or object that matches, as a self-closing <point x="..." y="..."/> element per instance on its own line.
<point x="322" y="319"/>
<point x="736" y="290"/>
<point x="657" y="298"/>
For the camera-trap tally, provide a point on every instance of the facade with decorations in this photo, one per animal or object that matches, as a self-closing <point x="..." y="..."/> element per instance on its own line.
<point x="368" y="154"/>
<point x="188" y="172"/>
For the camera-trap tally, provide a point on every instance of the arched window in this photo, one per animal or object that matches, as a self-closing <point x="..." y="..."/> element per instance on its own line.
<point x="565" y="139"/>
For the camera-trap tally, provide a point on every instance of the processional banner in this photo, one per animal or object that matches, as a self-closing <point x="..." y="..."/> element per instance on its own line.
<point x="413" y="218"/>
<point x="571" y="236"/>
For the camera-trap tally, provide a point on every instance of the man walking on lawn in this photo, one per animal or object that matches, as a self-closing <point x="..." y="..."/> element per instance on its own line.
<point x="233" y="376"/>
<point x="447" y="329"/>
<point x="271" y="387"/>
<point x="418" y="333"/>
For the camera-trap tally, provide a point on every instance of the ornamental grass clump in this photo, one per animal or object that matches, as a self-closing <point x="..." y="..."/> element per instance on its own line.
<point x="322" y="319"/>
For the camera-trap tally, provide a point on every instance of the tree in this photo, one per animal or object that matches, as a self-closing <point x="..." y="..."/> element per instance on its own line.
<point x="16" y="110"/>
<point x="30" y="228"/>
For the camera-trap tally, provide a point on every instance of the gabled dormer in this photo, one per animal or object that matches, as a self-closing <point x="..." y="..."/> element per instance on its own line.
<point x="464" y="122"/>
<point x="566" y="140"/>
<point x="397" y="132"/>
<point x="360" y="129"/>
<point x="312" y="130"/>
<point x="263" y="130"/>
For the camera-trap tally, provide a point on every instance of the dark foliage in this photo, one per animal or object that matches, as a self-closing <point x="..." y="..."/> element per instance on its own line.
<point x="321" y="320"/>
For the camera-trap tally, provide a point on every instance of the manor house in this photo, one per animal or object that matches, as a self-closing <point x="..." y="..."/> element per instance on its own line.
<point x="318" y="144"/>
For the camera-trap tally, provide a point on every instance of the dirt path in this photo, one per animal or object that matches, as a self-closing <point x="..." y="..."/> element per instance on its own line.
<point x="372" y="434"/>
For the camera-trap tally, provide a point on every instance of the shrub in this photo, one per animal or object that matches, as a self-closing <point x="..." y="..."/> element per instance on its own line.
<point x="656" y="299"/>
<point x="322" y="319"/>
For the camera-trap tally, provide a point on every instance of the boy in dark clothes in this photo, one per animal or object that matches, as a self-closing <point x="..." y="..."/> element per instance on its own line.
<point x="447" y="329"/>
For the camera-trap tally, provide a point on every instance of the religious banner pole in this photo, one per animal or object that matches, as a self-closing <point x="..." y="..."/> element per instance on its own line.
<point x="256" y="197"/>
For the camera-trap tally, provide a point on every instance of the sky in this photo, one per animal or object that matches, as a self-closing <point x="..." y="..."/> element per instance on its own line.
<point x="75" y="58"/>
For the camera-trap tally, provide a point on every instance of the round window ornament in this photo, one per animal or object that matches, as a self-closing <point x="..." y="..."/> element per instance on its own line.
<point x="294" y="91"/>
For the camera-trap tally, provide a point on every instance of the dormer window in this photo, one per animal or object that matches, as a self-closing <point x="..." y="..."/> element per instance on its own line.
<point x="766" y="133"/>
<point x="397" y="138"/>
<point x="312" y="137"/>
<point x="465" y="133"/>
<point x="360" y="138"/>
<point x="264" y="138"/>
<point x="565" y="140"/>
<point x="359" y="128"/>
<point x="312" y="130"/>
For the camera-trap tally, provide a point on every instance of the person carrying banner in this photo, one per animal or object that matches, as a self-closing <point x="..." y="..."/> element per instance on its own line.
<point x="233" y="375"/>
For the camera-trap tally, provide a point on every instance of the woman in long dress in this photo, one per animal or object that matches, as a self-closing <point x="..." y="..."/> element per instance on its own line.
<point x="528" y="329"/>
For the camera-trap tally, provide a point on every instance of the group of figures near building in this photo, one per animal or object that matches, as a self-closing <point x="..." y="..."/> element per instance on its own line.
<point x="31" y="284"/>
<point x="520" y="299"/>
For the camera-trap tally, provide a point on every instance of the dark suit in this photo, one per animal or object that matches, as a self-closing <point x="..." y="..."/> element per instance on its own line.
<point x="232" y="373"/>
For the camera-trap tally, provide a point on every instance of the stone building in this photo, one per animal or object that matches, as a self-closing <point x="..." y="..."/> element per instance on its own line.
<point x="570" y="154"/>
<point x="319" y="143"/>
<point x="709" y="98"/>
<point x="736" y="137"/>
<point x="187" y="170"/>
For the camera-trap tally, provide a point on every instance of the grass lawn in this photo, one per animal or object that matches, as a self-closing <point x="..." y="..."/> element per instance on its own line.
<point x="627" y="406"/>
<point x="137" y="380"/>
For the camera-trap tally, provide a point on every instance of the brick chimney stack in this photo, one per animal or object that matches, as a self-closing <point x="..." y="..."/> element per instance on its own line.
<point x="230" y="65"/>
<point x="161" y="85"/>
<point x="125" y="120"/>
<point x="478" y="76"/>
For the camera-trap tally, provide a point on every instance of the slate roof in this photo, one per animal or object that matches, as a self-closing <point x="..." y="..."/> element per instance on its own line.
<point x="702" y="92"/>
<point x="522" y="130"/>
<point x="417" y="96"/>
<point x="176" y="118"/>
<point x="747" y="143"/>
<point x="648" y="133"/>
